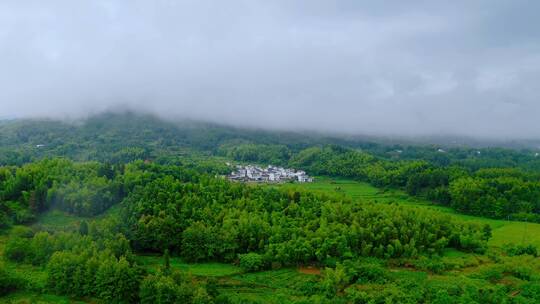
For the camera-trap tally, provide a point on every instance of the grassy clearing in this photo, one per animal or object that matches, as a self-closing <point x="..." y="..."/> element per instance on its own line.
<point x="275" y="279"/>
<point x="57" y="220"/>
<point x="273" y="286"/>
<point x="503" y="231"/>
<point x="153" y="262"/>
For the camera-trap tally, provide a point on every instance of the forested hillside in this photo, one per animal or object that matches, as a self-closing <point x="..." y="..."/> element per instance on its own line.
<point x="123" y="137"/>
<point x="143" y="200"/>
<point x="175" y="211"/>
<point x="492" y="182"/>
<point x="129" y="136"/>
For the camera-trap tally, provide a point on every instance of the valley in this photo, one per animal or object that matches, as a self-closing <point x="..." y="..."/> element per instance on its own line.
<point x="154" y="221"/>
<point x="287" y="284"/>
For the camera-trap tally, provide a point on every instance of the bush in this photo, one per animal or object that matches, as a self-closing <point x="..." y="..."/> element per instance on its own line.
<point x="21" y="232"/>
<point x="5" y="220"/>
<point x="8" y="282"/>
<point x="492" y="273"/>
<point x="251" y="262"/>
<point x="530" y="291"/>
<point x="17" y="249"/>
<point x="513" y="250"/>
<point x="433" y="264"/>
<point x="24" y="216"/>
<point x="368" y="271"/>
<point x="160" y="288"/>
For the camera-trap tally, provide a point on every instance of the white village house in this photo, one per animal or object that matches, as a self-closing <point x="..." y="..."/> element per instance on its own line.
<point x="268" y="174"/>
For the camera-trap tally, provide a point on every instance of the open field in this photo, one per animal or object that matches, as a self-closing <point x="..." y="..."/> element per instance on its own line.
<point x="503" y="231"/>
<point x="57" y="220"/>
<point x="153" y="262"/>
<point x="272" y="286"/>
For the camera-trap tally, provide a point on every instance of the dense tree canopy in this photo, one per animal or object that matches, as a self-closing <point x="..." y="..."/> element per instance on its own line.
<point x="170" y="199"/>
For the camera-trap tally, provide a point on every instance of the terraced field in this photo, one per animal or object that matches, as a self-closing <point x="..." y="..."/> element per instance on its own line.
<point x="274" y="286"/>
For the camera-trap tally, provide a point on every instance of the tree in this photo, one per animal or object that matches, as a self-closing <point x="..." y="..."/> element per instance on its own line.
<point x="167" y="262"/>
<point x="83" y="228"/>
<point x="487" y="231"/>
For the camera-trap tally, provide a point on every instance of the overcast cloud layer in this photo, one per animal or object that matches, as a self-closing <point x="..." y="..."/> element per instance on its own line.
<point x="380" y="67"/>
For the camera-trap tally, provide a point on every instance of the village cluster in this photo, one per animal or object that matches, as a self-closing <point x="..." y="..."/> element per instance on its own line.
<point x="268" y="174"/>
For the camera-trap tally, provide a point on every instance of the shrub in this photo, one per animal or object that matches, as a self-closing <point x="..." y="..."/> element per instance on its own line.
<point x="492" y="273"/>
<point x="513" y="250"/>
<point x="251" y="262"/>
<point x="334" y="280"/>
<point x="5" y="220"/>
<point x="21" y="232"/>
<point x="173" y="288"/>
<point x="433" y="264"/>
<point x="8" y="282"/>
<point x="17" y="249"/>
<point x="158" y="289"/>
<point x="531" y="291"/>
<point x="367" y="271"/>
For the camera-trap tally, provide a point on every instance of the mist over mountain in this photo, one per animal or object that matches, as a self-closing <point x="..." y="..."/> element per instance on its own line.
<point x="281" y="152"/>
<point x="115" y="130"/>
<point x="386" y="68"/>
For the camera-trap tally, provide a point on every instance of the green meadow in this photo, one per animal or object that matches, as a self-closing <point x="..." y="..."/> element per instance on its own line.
<point x="153" y="262"/>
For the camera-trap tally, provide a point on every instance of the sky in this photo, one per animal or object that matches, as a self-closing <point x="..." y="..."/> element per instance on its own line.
<point x="358" y="67"/>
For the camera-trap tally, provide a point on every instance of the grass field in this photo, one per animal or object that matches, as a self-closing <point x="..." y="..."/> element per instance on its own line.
<point x="503" y="231"/>
<point x="273" y="286"/>
<point x="57" y="220"/>
<point x="153" y="262"/>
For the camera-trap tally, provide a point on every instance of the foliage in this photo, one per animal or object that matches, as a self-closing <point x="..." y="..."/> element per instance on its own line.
<point x="204" y="218"/>
<point x="8" y="281"/>
<point x="164" y="176"/>
<point x="79" y="188"/>
<point x="491" y="192"/>
<point x="251" y="262"/>
<point x="513" y="250"/>
<point x="174" y="288"/>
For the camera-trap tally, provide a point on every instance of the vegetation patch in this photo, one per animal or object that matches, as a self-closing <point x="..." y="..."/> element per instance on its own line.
<point x="154" y="262"/>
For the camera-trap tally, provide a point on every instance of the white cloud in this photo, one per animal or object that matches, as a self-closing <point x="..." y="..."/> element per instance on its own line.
<point x="347" y="66"/>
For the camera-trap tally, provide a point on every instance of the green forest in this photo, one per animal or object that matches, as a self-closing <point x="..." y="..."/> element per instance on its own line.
<point x="125" y="208"/>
